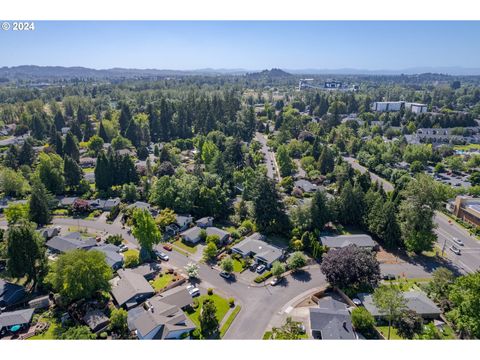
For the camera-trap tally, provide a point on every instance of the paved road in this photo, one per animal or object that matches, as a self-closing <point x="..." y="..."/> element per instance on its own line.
<point x="469" y="260"/>
<point x="259" y="304"/>
<point x="271" y="162"/>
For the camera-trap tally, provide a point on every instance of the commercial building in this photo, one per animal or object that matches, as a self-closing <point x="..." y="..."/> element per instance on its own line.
<point x="468" y="209"/>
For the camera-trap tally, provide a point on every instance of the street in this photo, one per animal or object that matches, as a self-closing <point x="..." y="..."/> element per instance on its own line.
<point x="270" y="161"/>
<point x="469" y="260"/>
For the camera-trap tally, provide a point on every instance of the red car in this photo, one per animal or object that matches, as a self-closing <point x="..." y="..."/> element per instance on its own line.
<point x="168" y="247"/>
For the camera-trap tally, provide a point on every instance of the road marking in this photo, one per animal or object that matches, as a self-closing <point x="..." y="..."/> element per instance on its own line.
<point x="288" y="310"/>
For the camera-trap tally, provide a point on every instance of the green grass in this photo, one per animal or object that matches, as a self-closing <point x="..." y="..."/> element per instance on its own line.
<point x="162" y="281"/>
<point x="237" y="266"/>
<point x="467" y="147"/>
<point x="407" y="284"/>
<point x="50" y="333"/>
<point x="180" y="244"/>
<point x="393" y="332"/>
<point x="267" y="335"/>
<point x="229" y="321"/>
<point x="220" y="303"/>
<point x="88" y="170"/>
<point x="132" y="252"/>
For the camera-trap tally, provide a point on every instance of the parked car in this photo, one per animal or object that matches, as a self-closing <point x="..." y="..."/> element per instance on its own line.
<point x="161" y="255"/>
<point x="389" y="277"/>
<point x="261" y="269"/>
<point x="168" y="247"/>
<point x="275" y="281"/>
<point x="253" y="267"/>
<point x="356" y="301"/>
<point x="193" y="291"/>
<point x="455" y="250"/>
<point x="225" y="275"/>
<point x="457" y="241"/>
<point x="122" y="247"/>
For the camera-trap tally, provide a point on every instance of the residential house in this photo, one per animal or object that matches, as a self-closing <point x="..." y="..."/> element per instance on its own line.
<point x="157" y="319"/>
<point x="148" y="270"/>
<point x="87" y="162"/>
<point x="204" y="222"/>
<point x="331" y="321"/>
<point x="72" y="241"/>
<point x="96" y="320"/>
<point x="49" y="232"/>
<point x="178" y="296"/>
<point x="41" y="302"/>
<point x="130" y="289"/>
<point x="192" y="235"/>
<point x="112" y="255"/>
<point x="415" y="300"/>
<point x="21" y="318"/>
<point x="182" y="222"/>
<point x="10" y="294"/>
<point x="262" y="252"/>
<point x="305" y="186"/>
<point x="67" y="202"/>
<point x="105" y="205"/>
<point x="340" y="241"/>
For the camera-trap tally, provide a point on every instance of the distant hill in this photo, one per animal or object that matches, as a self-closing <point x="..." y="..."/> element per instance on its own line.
<point x="270" y="74"/>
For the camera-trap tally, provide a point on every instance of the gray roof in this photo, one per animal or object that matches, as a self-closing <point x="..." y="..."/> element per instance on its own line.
<point x="253" y="245"/>
<point x="160" y="316"/>
<point x="140" y="205"/>
<point x="96" y="320"/>
<point x="178" y="296"/>
<point x="10" y="293"/>
<point x="70" y="242"/>
<point x="129" y="286"/>
<point x="144" y="270"/>
<point x="340" y="241"/>
<point x="204" y="221"/>
<point x="305" y="185"/>
<point x="183" y="220"/>
<point x="68" y="201"/>
<point x="193" y="234"/>
<point x="18" y="317"/>
<point x="111" y="252"/>
<point x="415" y="300"/>
<point x="332" y="319"/>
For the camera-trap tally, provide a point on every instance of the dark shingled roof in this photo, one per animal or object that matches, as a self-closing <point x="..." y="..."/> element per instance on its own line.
<point x="340" y="241"/>
<point x="18" y="317"/>
<point x="332" y="320"/>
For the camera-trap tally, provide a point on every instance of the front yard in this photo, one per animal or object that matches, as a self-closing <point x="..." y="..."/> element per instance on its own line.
<point x="183" y="246"/>
<point x="221" y="304"/>
<point x="162" y="281"/>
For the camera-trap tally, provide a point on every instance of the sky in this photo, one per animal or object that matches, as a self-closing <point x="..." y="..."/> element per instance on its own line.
<point x="188" y="45"/>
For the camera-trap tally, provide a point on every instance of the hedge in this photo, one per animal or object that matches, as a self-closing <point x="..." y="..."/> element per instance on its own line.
<point x="263" y="277"/>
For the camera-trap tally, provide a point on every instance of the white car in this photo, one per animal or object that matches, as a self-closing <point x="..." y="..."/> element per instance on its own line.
<point x="261" y="269"/>
<point x="455" y="250"/>
<point x="275" y="281"/>
<point x="193" y="291"/>
<point x="122" y="247"/>
<point x="457" y="241"/>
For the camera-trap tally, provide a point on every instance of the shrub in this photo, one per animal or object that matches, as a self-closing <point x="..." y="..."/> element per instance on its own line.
<point x="231" y="302"/>
<point x="263" y="277"/>
<point x="103" y="335"/>
<point x="96" y="213"/>
<point x="116" y="239"/>
<point x="235" y="234"/>
<point x="210" y="291"/>
<point x="131" y="259"/>
<point x="296" y="260"/>
<point x="195" y="303"/>
<point x="362" y="320"/>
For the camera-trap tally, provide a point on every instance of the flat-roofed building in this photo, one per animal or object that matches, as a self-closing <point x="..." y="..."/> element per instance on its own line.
<point x="468" y="209"/>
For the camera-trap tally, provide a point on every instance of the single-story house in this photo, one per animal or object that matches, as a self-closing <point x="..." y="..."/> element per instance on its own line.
<point x="262" y="252"/>
<point x="178" y="296"/>
<point x="96" y="320"/>
<point x="204" y="222"/>
<point x="49" y="232"/>
<point x="21" y="318"/>
<point x="183" y="221"/>
<point x="341" y="241"/>
<point x="66" y="202"/>
<point x="10" y="294"/>
<point x="148" y="270"/>
<point x="415" y="300"/>
<point x="130" y="289"/>
<point x="41" y="302"/>
<point x="305" y="185"/>
<point x="72" y="241"/>
<point x="192" y="235"/>
<point x="112" y="255"/>
<point x="159" y="320"/>
<point x="141" y="205"/>
<point x="87" y="162"/>
<point x="107" y="205"/>
<point x="331" y="321"/>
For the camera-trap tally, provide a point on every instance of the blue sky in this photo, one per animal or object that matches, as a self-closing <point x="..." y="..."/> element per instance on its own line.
<point x="249" y="45"/>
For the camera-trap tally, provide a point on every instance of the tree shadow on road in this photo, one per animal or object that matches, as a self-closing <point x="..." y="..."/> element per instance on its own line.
<point x="301" y="275"/>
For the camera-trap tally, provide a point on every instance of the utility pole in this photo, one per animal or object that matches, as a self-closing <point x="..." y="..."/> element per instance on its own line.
<point x="443" y="248"/>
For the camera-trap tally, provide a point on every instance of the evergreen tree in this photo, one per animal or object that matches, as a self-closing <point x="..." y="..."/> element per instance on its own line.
<point x="326" y="161"/>
<point x="209" y="325"/>
<point x="76" y="130"/>
<point x="71" y="148"/>
<point x="11" y="157"/>
<point x="103" y="133"/>
<point x="72" y="172"/>
<point x="124" y="119"/>
<point x="103" y="175"/>
<point x="321" y="211"/>
<point x="59" y="120"/>
<point x="26" y="155"/>
<point x="58" y="144"/>
<point x="39" y="209"/>
<point x="89" y="130"/>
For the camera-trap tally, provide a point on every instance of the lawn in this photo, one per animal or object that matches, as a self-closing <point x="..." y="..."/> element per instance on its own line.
<point x="237" y="266"/>
<point x="131" y="252"/>
<point x="50" y="333"/>
<point x="467" y="147"/>
<point x="180" y="244"/>
<point x="88" y="170"/>
<point x="229" y="321"/>
<point x="162" y="281"/>
<point x="407" y="284"/>
<point x="220" y="303"/>
<point x="393" y="332"/>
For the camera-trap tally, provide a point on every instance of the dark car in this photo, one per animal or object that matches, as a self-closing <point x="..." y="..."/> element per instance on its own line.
<point x="225" y="275"/>
<point x="389" y="277"/>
